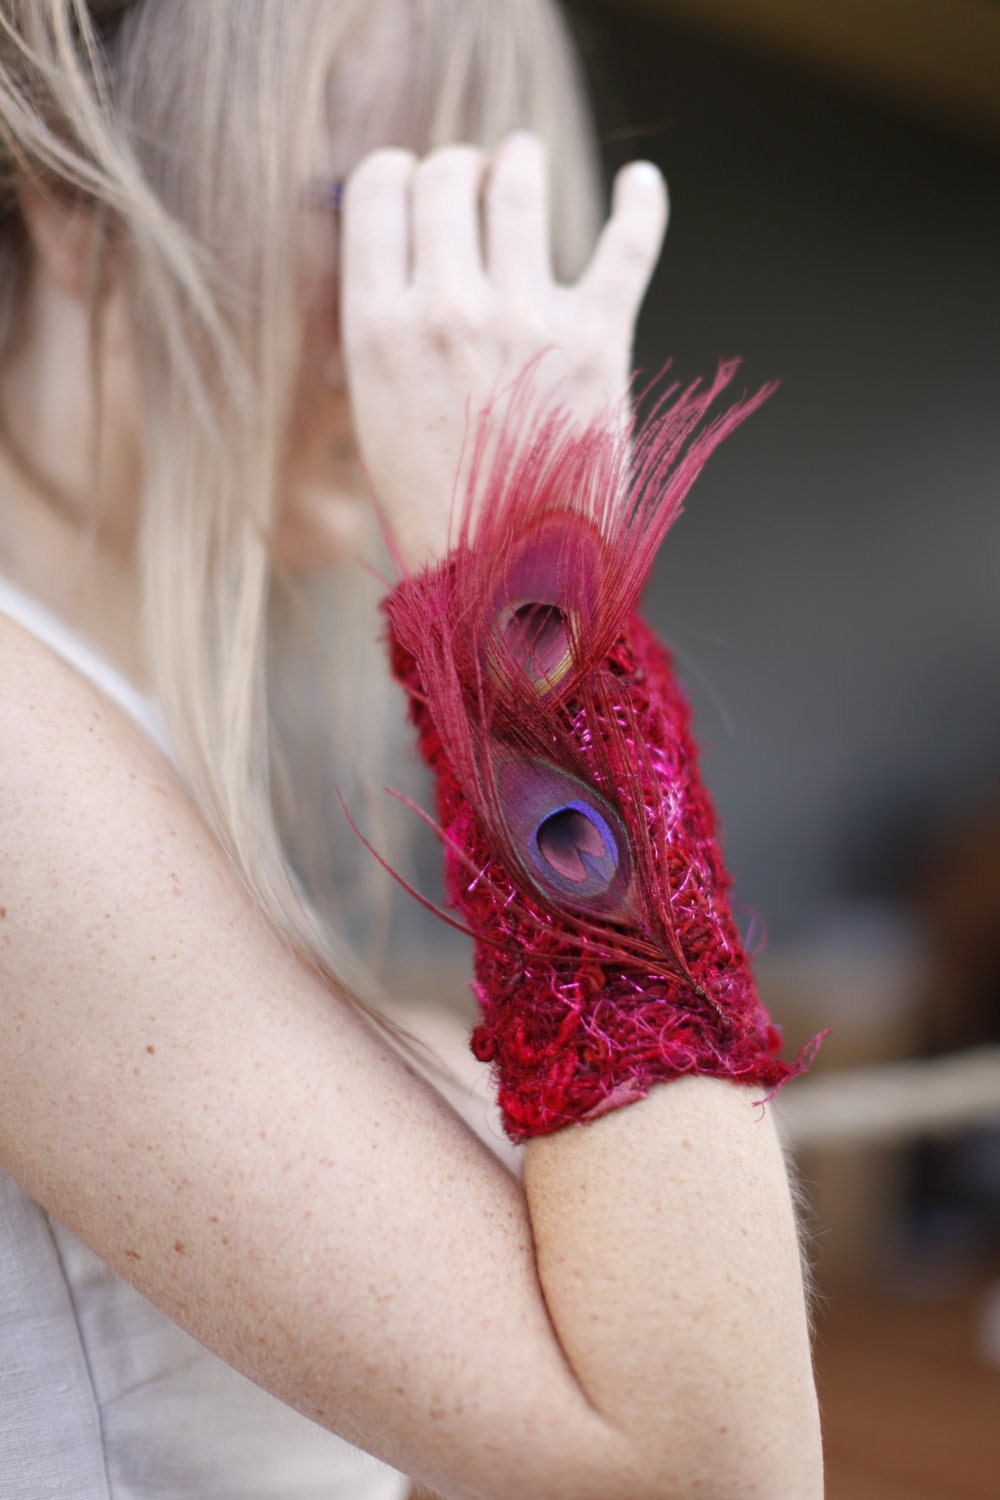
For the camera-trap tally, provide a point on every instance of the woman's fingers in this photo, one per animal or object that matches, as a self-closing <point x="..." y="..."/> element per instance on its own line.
<point x="446" y="240"/>
<point x="419" y="223"/>
<point x="377" y="246"/>
<point x="518" y="251"/>
<point x="448" y="296"/>
<point x="615" y="282"/>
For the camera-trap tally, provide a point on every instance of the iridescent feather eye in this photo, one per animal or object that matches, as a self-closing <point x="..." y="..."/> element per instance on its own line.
<point x="536" y="636"/>
<point x="574" y="843"/>
<point x="566" y="837"/>
<point x="543" y="603"/>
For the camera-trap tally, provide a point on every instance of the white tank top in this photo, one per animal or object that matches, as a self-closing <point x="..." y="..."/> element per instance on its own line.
<point x="101" y="1396"/>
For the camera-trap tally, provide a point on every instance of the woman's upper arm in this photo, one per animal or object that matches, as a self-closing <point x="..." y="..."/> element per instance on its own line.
<point x="238" y="1142"/>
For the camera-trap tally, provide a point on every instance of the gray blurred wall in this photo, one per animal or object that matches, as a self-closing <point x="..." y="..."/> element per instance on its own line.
<point x="832" y="589"/>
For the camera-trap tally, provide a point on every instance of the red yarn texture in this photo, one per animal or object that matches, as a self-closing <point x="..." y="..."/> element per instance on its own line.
<point x="571" y="1029"/>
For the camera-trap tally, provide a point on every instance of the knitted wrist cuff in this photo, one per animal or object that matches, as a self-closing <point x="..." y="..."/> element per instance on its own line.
<point x="580" y="1018"/>
<point x="580" y="844"/>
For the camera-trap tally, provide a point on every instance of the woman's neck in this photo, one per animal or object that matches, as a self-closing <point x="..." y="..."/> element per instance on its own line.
<point x="66" y="565"/>
<point x="69" y="469"/>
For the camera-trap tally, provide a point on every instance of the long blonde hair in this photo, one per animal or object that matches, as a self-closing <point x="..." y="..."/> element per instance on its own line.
<point x="192" y="127"/>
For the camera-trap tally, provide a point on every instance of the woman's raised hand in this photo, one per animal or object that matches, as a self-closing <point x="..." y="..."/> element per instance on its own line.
<point x="448" y="294"/>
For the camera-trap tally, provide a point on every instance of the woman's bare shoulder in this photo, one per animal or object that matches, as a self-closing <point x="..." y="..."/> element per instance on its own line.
<point x="48" y="711"/>
<point x="86" y="800"/>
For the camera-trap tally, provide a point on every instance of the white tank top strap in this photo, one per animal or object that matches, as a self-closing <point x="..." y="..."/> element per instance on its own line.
<point x="78" y="653"/>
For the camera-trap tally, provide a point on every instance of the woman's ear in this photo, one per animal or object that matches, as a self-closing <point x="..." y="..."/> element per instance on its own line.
<point x="64" y="235"/>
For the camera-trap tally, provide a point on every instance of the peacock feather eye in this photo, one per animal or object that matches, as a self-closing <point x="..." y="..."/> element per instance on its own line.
<point x="566" y="836"/>
<point x="575" y="843"/>
<point x="536" y="636"/>
<point x="546" y="594"/>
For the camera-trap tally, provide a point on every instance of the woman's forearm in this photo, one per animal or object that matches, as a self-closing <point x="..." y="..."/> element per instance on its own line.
<point x="668" y="1255"/>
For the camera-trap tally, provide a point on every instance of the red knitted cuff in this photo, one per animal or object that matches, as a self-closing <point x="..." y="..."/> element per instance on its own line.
<point x="580" y="843"/>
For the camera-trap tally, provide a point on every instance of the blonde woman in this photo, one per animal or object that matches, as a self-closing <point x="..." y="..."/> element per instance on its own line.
<point x="213" y="1161"/>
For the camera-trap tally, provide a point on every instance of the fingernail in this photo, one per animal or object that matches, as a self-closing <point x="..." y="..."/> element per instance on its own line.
<point x="645" y="173"/>
<point x="521" y="137"/>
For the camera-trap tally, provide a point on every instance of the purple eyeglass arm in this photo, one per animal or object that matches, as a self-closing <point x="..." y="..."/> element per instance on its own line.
<point x="328" y="193"/>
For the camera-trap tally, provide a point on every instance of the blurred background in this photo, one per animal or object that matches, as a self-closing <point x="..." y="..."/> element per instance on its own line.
<point x="833" y="596"/>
